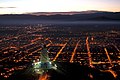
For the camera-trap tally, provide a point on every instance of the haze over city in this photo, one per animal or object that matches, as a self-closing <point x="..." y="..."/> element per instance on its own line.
<point x="25" y="6"/>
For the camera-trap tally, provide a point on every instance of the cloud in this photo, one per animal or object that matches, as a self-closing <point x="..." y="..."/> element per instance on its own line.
<point x="7" y="7"/>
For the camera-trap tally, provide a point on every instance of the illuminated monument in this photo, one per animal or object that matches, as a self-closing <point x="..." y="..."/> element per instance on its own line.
<point x="43" y="64"/>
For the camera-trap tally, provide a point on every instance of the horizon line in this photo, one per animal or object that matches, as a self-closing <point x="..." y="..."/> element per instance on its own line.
<point x="57" y="12"/>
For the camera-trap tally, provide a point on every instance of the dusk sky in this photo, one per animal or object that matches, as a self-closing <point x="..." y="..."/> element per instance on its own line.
<point x="23" y="6"/>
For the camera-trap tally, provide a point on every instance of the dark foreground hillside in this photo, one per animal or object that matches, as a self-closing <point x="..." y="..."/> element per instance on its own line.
<point x="66" y="71"/>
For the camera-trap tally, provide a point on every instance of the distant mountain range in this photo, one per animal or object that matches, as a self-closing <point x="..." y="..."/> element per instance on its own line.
<point x="66" y="13"/>
<point x="62" y="16"/>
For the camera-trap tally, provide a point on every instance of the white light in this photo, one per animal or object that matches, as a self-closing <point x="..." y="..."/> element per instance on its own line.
<point x="50" y="62"/>
<point x="33" y="60"/>
<point x="55" y="65"/>
<point x="39" y="62"/>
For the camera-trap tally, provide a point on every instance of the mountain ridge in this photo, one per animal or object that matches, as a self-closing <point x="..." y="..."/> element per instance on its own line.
<point x="68" y="16"/>
<point x="66" y="13"/>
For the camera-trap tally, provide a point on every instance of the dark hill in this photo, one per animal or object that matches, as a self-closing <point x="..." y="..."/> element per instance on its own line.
<point x="28" y="18"/>
<point x="67" y="71"/>
<point x="74" y="71"/>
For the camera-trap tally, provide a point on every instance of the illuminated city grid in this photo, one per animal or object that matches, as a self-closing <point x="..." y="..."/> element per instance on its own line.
<point x="20" y="44"/>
